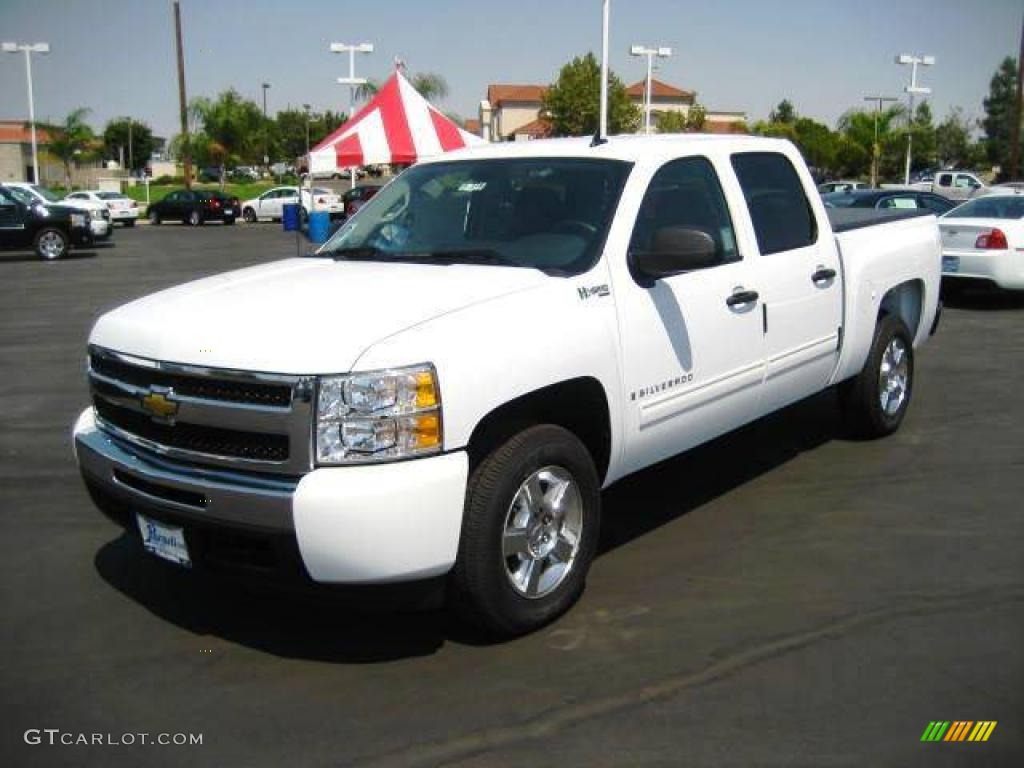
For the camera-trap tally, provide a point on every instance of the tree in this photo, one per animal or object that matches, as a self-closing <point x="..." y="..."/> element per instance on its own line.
<point x="233" y="130"/>
<point x="572" y="103"/>
<point x="857" y="127"/>
<point x="999" y="114"/>
<point x="817" y="143"/>
<point x="138" y="143"/>
<point x="692" y="121"/>
<point x="431" y="86"/>
<point x="696" y="119"/>
<point x="70" y="140"/>
<point x="783" y="113"/>
<point x="290" y="130"/>
<point x="953" y="140"/>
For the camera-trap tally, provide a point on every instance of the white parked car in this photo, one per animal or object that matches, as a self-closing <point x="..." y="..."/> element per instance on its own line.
<point x="440" y="392"/>
<point x="322" y="199"/>
<point x="122" y="208"/>
<point x="269" y="205"/>
<point x="99" y="215"/>
<point x="983" y="239"/>
<point x="829" y="187"/>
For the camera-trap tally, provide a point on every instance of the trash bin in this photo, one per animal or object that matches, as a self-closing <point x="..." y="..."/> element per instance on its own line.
<point x="319" y="226"/>
<point x="290" y="217"/>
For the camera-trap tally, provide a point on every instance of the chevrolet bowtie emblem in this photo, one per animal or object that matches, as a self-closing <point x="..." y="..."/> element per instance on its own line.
<point x="159" y="405"/>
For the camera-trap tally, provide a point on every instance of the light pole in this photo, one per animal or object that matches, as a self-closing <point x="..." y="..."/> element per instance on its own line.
<point x="662" y="53"/>
<point x="266" y="141"/>
<point x="878" y="101"/>
<point x="602" y="120"/>
<point x="306" y="108"/>
<point x="912" y="89"/>
<point x="352" y="81"/>
<point x="29" y="49"/>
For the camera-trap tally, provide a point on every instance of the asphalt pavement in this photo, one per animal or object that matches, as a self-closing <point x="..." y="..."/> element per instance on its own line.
<point x="783" y="596"/>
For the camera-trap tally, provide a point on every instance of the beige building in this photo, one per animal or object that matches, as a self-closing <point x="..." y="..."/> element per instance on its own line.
<point x="16" y="150"/>
<point x="513" y="112"/>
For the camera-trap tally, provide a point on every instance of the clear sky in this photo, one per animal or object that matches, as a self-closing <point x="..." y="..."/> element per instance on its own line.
<point x="117" y="56"/>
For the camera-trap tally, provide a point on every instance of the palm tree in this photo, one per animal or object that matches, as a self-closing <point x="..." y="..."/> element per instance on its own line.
<point x="233" y="129"/>
<point x="430" y="86"/>
<point x="69" y="139"/>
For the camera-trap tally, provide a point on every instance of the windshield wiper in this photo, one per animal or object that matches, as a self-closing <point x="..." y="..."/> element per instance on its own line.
<point x="446" y="257"/>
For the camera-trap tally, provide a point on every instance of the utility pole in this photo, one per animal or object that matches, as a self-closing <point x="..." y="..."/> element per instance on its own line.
<point x="661" y="52"/>
<point x="1014" y="172"/>
<point x="266" y="140"/>
<point x="131" y="164"/>
<point x="352" y="81"/>
<point x="306" y="108"/>
<point x="182" y="102"/>
<point x="878" y="100"/>
<point x="912" y="89"/>
<point x="28" y="50"/>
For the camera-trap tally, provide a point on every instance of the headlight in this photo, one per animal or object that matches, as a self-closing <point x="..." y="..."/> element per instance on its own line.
<point x="77" y="219"/>
<point x="377" y="416"/>
<point x="96" y="213"/>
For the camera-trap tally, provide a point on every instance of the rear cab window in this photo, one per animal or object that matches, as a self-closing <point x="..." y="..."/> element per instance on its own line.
<point x="779" y="209"/>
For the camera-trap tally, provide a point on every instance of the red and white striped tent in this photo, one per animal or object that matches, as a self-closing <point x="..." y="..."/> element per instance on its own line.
<point x="397" y="126"/>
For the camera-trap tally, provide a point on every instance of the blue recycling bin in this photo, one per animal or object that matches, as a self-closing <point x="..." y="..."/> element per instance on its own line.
<point x="290" y="217"/>
<point x="319" y="226"/>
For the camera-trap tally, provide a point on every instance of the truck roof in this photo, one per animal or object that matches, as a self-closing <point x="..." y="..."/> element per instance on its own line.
<point x="627" y="147"/>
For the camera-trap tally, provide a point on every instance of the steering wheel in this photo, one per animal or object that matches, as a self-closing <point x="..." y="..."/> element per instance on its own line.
<point x="574" y="227"/>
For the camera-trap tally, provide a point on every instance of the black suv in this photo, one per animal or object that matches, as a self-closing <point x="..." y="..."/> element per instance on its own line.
<point x="49" y="229"/>
<point x="195" y="206"/>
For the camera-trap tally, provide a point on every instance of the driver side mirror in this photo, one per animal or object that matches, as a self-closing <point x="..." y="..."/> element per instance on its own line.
<point x="674" y="250"/>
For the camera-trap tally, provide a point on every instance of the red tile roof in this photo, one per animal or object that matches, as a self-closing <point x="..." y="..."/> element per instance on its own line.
<point x="539" y="129"/>
<point x="724" y="126"/>
<point x="498" y="93"/>
<point x="472" y="125"/>
<point x="660" y="90"/>
<point x="15" y="132"/>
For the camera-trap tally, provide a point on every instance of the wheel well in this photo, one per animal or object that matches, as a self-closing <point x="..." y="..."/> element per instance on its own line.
<point x="578" y="405"/>
<point x="905" y="301"/>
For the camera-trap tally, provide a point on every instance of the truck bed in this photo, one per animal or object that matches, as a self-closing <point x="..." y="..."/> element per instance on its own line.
<point x="846" y="219"/>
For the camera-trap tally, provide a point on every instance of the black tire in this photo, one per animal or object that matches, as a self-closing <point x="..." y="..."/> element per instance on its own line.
<point x="129" y="222"/>
<point x="861" y="396"/>
<point x="195" y="219"/>
<point x="481" y="588"/>
<point x="50" y="243"/>
<point x="154" y="218"/>
<point x="249" y="215"/>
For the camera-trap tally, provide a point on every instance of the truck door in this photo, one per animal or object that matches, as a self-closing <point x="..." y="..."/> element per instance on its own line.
<point x="691" y="343"/>
<point x="12" y="221"/>
<point x="798" y="276"/>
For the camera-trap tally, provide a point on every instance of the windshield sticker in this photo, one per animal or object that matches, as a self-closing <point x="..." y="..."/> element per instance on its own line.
<point x="472" y="186"/>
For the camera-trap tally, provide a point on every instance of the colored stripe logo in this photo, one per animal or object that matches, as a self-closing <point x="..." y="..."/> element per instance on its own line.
<point x="958" y="730"/>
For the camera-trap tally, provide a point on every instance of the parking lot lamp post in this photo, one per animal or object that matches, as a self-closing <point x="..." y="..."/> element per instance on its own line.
<point x="305" y="108"/>
<point x="878" y="100"/>
<point x="29" y="49"/>
<point x="913" y="89"/>
<point x="266" y="138"/>
<point x="649" y="53"/>
<point x="352" y="81"/>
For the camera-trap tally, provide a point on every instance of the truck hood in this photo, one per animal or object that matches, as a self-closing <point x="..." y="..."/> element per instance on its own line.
<point x="300" y="315"/>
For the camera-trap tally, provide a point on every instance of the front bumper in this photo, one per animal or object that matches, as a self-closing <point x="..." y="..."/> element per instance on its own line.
<point x="124" y="214"/>
<point x="350" y="525"/>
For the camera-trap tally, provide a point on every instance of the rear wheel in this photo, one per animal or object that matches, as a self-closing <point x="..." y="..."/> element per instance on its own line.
<point x="129" y="222"/>
<point x="529" y="533"/>
<point x="195" y="219"/>
<point x="876" y="401"/>
<point x="249" y="215"/>
<point x="229" y="220"/>
<point x="50" y="244"/>
<point x="154" y="218"/>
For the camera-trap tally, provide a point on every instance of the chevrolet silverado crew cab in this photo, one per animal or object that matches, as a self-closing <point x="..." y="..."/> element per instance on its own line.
<point x="50" y="230"/>
<point x="441" y="391"/>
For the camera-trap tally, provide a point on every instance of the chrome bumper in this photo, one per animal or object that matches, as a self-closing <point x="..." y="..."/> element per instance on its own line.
<point x="203" y="495"/>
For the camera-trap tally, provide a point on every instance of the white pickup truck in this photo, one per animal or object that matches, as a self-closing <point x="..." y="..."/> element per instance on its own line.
<point x="439" y="393"/>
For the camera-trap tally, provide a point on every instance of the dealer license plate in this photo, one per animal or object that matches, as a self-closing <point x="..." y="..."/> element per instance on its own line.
<point x="950" y="263"/>
<point x="166" y="541"/>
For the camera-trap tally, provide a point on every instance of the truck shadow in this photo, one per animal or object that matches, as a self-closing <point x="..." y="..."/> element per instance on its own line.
<point x="985" y="300"/>
<point x="338" y="631"/>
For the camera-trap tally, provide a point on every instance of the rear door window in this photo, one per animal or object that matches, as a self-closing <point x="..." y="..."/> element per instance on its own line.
<point x="779" y="208"/>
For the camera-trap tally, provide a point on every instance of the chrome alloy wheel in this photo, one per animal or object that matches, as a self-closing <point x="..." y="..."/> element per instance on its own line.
<point x="51" y="245"/>
<point x="893" y="377"/>
<point x="543" y="531"/>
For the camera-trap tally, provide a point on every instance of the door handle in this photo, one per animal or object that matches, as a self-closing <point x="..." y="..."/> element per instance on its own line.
<point x="821" y="274"/>
<point x="741" y="297"/>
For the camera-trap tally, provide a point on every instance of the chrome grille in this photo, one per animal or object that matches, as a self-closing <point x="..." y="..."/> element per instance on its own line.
<point x="222" y="417"/>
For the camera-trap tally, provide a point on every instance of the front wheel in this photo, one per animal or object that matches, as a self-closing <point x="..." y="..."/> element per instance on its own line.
<point x="154" y="218"/>
<point x="51" y="244"/>
<point x="875" y="402"/>
<point x="129" y="222"/>
<point x="530" y="531"/>
<point x="249" y="215"/>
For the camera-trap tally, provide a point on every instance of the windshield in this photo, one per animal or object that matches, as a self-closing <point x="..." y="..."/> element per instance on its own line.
<point x="46" y="194"/>
<point x="111" y="196"/>
<point x="543" y="213"/>
<point x="840" y="199"/>
<point x="1009" y="207"/>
